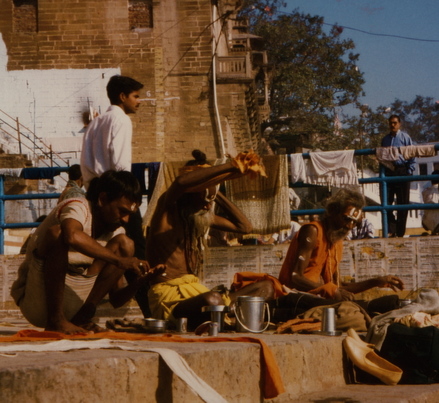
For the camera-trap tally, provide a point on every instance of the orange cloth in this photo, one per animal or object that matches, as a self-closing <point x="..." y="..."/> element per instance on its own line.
<point x="245" y="278"/>
<point x="272" y="381"/>
<point x="323" y="264"/>
<point x="299" y="326"/>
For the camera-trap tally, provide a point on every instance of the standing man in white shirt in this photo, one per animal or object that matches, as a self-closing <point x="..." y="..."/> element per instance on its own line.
<point x="107" y="146"/>
<point x="107" y="140"/>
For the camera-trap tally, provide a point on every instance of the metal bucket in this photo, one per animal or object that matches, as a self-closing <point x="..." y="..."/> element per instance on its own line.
<point x="250" y="313"/>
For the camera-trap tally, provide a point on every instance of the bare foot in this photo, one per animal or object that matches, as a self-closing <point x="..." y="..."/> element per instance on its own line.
<point x="66" y="327"/>
<point x="92" y="327"/>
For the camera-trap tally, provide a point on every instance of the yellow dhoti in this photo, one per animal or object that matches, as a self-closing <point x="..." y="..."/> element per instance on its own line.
<point x="163" y="297"/>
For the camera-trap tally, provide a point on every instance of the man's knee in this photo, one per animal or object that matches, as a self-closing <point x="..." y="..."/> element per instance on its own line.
<point x="213" y="298"/>
<point x="266" y="289"/>
<point x="122" y="244"/>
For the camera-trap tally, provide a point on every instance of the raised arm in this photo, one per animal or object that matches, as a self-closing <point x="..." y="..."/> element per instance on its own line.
<point x="247" y="163"/>
<point x="236" y="221"/>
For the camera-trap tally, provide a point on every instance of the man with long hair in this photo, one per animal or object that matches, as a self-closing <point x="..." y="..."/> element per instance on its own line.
<point x="175" y="238"/>
<point x="313" y="257"/>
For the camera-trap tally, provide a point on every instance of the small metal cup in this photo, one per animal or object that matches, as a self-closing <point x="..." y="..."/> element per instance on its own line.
<point x="213" y="329"/>
<point x="182" y="325"/>
<point x="328" y="320"/>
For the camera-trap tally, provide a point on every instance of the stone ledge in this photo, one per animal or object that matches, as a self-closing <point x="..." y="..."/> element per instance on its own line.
<point x="306" y="362"/>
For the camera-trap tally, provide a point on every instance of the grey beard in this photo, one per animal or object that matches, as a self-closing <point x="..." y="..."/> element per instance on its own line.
<point x="337" y="235"/>
<point x="201" y="221"/>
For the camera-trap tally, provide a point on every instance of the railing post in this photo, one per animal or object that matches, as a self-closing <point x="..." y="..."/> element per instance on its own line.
<point x="384" y="212"/>
<point x="19" y="137"/>
<point x="2" y="215"/>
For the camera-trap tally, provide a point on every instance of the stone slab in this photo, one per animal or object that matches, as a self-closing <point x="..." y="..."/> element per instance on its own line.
<point x="312" y="368"/>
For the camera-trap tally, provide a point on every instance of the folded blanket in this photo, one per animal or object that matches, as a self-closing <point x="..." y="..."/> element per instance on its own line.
<point x="386" y="156"/>
<point x="426" y="150"/>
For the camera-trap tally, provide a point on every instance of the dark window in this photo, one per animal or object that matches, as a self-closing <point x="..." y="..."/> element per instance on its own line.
<point x="25" y="17"/>
<point x="140" y="14"/>
<point x="423" y="169"/>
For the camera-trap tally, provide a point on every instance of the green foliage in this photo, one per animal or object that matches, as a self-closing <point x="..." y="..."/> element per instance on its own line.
<point x="313" y="73"/>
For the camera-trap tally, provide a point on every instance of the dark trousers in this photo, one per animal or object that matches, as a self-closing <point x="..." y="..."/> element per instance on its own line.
<point x="400" y="193"/>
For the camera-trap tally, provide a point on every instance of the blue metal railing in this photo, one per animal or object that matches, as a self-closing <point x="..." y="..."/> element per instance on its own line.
<point x="382" y="180"/>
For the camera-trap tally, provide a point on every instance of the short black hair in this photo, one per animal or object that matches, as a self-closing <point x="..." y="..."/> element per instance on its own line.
<point x="121" y="84"/>
<point x="115" y="184"/>
<point x="395" y="117"/>
<point x="74" y="172"/>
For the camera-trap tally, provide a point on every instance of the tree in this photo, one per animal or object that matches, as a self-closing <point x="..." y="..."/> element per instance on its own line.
<point x="313" y="73"/>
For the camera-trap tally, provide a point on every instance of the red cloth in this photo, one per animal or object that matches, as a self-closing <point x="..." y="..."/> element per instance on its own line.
<point x="272" y="381"/>
<point x="245" y="278"/>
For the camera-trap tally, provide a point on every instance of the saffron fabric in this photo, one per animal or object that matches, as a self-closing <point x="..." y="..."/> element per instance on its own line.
<point x="322" y="267"/>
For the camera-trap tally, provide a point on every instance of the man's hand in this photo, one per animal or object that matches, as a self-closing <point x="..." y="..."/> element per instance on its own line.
<point x="159" y="270"/>
<point x="139" y="267"/>
<point x="343" y="295"/>
<point x="392" y="282"/>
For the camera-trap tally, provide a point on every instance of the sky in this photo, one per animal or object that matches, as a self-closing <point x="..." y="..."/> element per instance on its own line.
<point x="393" y="67"/>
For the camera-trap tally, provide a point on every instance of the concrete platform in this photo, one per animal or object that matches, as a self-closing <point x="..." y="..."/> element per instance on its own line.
<point x="312" y="368"/>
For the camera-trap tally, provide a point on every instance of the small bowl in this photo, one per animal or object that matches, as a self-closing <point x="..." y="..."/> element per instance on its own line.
<point x="151" y="325"/>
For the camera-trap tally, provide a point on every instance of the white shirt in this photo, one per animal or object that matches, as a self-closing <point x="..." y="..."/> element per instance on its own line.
<point x="288" y="235"/>
<point x="107" y="144"/>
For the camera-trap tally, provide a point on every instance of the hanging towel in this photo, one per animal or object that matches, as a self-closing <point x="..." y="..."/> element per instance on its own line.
<point x="333" y="168"/>
<point x="386" y="156"/>
<point x="298" y="169"/>
<point x="13" y="172"/>
<point x="426" y="150"/>
<point x="264" y="201"/>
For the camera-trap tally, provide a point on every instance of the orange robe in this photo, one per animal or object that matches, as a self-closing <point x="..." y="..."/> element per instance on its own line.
<point x="322" y="267"/>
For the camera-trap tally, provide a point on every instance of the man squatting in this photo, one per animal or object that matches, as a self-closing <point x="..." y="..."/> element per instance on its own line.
<point x="79" y="254"/>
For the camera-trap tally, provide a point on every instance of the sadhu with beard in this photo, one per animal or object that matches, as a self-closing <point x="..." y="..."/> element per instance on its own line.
<point x="314" y="254"/>
<point x="183" y="215"/>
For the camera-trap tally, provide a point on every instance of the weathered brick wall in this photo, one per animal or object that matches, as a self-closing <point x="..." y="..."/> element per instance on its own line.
<point x="172" y="59"/>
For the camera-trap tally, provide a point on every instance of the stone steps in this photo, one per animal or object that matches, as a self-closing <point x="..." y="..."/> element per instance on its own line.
<point x="312" y="368"/>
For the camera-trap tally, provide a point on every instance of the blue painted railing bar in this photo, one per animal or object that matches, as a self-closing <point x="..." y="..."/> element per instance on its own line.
<point x="50" y="172"/>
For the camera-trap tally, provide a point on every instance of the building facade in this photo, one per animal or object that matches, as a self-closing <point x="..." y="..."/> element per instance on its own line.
<point x="205" y="78"/>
